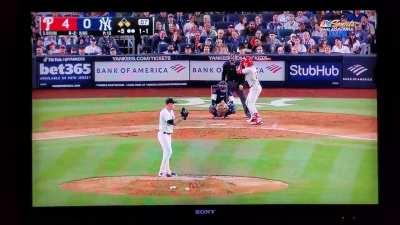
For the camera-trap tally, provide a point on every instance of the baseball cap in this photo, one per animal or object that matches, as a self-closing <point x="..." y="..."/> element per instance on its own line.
<point x="231" y="26"/>
<point x="170" y="100"/>
<point x="93" y="39"/>
<point x="188" y="46"/>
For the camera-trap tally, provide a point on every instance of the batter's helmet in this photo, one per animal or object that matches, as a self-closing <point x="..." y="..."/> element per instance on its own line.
<point x="248" y="61"/>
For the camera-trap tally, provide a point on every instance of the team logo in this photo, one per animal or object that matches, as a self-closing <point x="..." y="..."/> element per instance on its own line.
<point x="357" y="69"/>
<point x="178" y="68"/>
<point x="274" y="68"/>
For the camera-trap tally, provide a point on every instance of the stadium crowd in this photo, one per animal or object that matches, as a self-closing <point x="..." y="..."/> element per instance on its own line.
<point x="287" y="32"/>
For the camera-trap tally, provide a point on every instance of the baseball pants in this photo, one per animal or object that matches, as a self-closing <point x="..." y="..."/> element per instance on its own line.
<point x="252" y="97"/>
<point x="233" y="87"/>
<point x="165" y="142"/>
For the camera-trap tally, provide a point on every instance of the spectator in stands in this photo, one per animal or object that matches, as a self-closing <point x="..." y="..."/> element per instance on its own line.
<point x="189" y="24"/>
<point x="294" y="50"/>
<point x="160" y="42"/>
<point x="206" y="49"/>
<point x="301" y="18"/>
<point x="307" y="40"/>
<point x="171" y="49"/>
<point x="259" y="22"/>
<point x="246" y="45"/>
<point x="356" y="16"/>
<point x="280" y="50"/>
<point x="74" y="50"/>
<point x="371" y="15"/>
<point x="242" y="24"/>
<point x="234" y="42"/>
<point x="162" y="17"/>
<point x="52" y="49"/>
<point x="220" y="35"/>
<point x="301" y="48"/>
<point x="259" y="50"/>
<point x="327" y="50"/>
<point x="318" y="31"/>
<point x="171" y="30"/>
<point x="198" y="16"/>
<point x="284" y="17"/>
<point x="180" y="19"/>
<point x="291" y="24"/>
<point x="208" y="31"/>
<point x="188" y="49"/>
<point x="367" y="26"/>
<point x="291" y="39"/>
<point x="106" y="42"/>
<point x="40" y="51"/>
<point x="301" y="30"/>
<point x="93" y="49"/>
<point x="313" y="49"/>
<point x="339" y="47"/>
<point x="353" y="43"/>
<point x="255" y="43"/>
<point x="81" y="51"/>
<point x="230" y="30"/>
<point x="242" y="49"/>
<point x="191" y="34"/>
<point x="274" y="25"/>
<point x="272" y="43"/>
<point x="250" y="30"/>
<point x="219" y="44"/>
<point x="113" y="51"/>
<point x="206" y="19"/>
<point x="176" y="38"/>
<point x="259" y="35"/>
<point x="158" y="27"/>
<point x="196" y="42"/>
<point x="322" y="45"/>
<point x="62" y="50"/>
<point x="172" y="22"/>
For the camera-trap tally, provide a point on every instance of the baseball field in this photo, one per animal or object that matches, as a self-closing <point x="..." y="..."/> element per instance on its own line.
<point x="99" y="147"/>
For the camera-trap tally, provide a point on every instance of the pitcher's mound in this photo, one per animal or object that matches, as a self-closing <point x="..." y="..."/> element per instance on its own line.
<point x="201" y="186"/>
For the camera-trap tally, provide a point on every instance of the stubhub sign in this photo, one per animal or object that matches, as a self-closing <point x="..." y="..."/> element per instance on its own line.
<point x="315" y="71"/>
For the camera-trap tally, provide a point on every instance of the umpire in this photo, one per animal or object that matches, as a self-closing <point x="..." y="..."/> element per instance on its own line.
<point x="234" y="80"/>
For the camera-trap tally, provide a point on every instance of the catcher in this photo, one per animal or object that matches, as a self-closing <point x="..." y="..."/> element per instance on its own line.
<point x="221" y="101"/>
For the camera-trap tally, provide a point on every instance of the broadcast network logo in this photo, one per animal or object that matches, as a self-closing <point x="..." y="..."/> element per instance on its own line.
<point x="178" y="67"/>
<point x="274" y="68"/>
<point x="357" y="69"/>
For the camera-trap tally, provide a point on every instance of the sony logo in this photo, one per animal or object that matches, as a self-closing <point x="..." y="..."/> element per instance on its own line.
<point x="205" y="211"/>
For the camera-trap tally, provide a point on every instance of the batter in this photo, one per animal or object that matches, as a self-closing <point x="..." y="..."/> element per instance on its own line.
<point x="165" y="129"/>
<point x="251" y="77"/>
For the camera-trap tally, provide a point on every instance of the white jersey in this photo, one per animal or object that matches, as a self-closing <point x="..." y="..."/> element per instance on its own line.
<point x="166" y="115"/>
<point x="251" y="76"/>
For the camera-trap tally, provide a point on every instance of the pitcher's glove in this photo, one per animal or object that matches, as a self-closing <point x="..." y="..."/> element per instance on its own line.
<point x="222" y="108"/>
<point x="184" y="113"/>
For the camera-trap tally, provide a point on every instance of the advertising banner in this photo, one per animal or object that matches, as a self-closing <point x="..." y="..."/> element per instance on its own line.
<point x="315" y="73"/>
<point x="127" y="71"/>
<point x="212" y="70"/>
<point x="358" y="71"/>
<point x="61" y="72"/>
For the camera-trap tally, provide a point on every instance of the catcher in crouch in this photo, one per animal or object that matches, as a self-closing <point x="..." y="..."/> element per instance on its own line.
<point x="221" y="101"/>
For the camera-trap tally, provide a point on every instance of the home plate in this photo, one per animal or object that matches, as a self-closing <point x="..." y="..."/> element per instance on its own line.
<point x="218" y="124"/>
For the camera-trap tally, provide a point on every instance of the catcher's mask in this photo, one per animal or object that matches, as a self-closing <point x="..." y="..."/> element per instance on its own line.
<point x="223" y="86"/>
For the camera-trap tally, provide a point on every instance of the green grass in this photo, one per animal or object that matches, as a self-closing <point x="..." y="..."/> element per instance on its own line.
<point x="317" y="170"/>
<point x="45" y="110"/>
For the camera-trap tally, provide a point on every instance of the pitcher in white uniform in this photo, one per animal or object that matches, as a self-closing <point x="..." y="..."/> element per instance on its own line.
<point x="165" y="130"/>
<point x="251" y="77"/>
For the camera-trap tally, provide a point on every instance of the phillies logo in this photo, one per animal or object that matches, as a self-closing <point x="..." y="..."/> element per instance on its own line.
<point x="178" y="68"/>
<point x="357" y="69"/>
<point x="274" y="68"/>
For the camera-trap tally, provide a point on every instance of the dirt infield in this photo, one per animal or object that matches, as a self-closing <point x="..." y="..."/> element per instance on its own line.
<point x="198" y="92"/>
<point x="195" y="186"/>
<point x="277" y="124"/>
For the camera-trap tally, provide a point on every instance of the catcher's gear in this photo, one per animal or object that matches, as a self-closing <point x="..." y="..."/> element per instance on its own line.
<point x="222" y="109"/>
<point x="184" y="113"/>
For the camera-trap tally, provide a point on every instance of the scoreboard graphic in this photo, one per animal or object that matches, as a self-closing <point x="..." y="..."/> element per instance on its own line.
<point x="96" y="26"/>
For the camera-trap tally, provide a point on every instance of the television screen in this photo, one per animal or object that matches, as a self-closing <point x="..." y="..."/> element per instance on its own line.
<point x="204" y="108"/>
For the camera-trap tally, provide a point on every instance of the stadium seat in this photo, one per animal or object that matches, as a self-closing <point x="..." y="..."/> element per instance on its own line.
<point x="233" y="18"/>
<point x="284" y="32"/>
